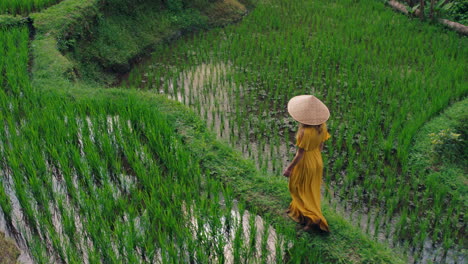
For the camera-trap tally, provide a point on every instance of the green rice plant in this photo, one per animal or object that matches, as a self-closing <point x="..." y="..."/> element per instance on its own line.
<point x="86" y="161"/>
<point x="38" y="250"/>
<point x="5" y="203"/>
<point x="238" y="242"/>
<point x="24" y="6"/>
<point x="264" y="244"/>
<point x="251" y="244"/>
<point x="14" y="77"/>
<point x="279" y="244"/>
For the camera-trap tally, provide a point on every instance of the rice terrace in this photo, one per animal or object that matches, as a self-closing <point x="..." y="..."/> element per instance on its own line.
<point x="160" y="131"/>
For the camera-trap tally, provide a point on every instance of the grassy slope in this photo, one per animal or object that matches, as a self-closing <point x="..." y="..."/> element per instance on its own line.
<point x="106" y="41"/>
<point x="452" y="176"/>
<point x="11" y="21"/>
<point x="268" y="195"/>
<point x="8" y="251"/>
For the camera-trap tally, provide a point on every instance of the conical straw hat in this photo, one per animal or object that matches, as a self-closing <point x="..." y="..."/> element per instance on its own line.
<point x="308" y="109"/>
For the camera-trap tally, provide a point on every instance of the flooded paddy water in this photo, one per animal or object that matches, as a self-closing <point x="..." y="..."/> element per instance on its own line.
<point x="219" y="102"/>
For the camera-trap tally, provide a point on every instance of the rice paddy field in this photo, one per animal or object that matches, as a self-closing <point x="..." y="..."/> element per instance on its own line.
<point x="110" y="181"/>
<point x="381" y="75"/>
<point x="14" y="7"/>
<point x="107" y="176"/>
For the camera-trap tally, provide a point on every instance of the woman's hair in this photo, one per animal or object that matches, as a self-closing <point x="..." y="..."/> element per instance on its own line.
<point x="319" y="128"/>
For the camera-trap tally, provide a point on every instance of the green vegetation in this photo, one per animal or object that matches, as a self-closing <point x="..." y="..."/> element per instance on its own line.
<point x="126" y="175"/>
<point x="105" y="38"/>
<point x="440" y="151"/>
<point x="7" y="21"/>
<point x="24" y="6"/>
<point x="120" y="38"/>
<point x="8" y="251"/>
<point x="458" y="11"/>
<point x="116" y="173"/>
<point x="105" y="174"/>
<point x="110" y="170"/>
<point x="13" y="80"/>
<point x="455" y="10"/>
<point x="106" y="171"/>
<point x="383" y="78"/>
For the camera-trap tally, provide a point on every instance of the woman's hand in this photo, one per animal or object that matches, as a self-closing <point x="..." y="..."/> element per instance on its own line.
<point x="297" y="158"/>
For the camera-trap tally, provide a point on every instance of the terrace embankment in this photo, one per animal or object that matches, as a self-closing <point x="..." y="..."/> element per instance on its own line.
<point x="440" y="151"/>
<point x="103" y="39"/>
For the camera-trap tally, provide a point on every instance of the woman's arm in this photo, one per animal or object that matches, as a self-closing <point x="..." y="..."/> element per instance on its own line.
<point x="297" y="158"/>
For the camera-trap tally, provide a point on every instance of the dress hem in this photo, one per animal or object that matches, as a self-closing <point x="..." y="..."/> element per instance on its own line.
<point x="303" y="220"/>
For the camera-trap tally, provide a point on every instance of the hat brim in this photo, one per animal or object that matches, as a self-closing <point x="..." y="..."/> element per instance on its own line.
<point x="308" y="110"/>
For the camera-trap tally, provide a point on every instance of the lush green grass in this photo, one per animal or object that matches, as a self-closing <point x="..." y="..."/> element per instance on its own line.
<point x="440" y="152"/>
<point x="13" y="80"/>
<point x="120" y="38"/>
<point x="382" y="78"/>
<point x="126" y="182"/>
<point x="7" y="21"/>
<point x="105" y="38"/>
<point x="24" y="7"/>
<point x="13" y="61"/>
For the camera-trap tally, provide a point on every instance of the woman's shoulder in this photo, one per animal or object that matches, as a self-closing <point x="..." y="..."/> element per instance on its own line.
<point x="313" y="131"/>
<point x="309" y="131"/>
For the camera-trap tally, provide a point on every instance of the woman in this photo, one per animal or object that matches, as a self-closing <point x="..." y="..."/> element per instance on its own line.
<point x="306" y="169"/>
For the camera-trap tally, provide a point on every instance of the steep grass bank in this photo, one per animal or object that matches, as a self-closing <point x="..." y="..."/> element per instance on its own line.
<point x="440" y="152"/>
<point x="104" y="38"/>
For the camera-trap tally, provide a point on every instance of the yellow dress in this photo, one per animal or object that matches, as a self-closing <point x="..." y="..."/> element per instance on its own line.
<point x="306" y="178"/>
